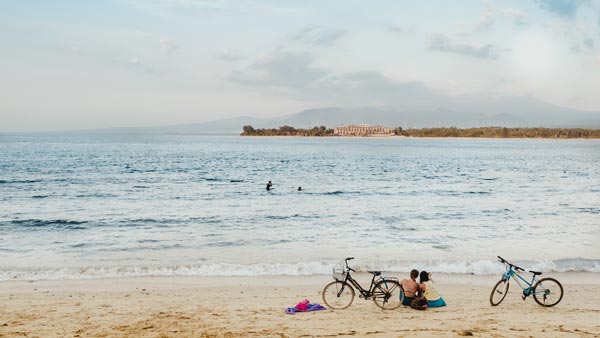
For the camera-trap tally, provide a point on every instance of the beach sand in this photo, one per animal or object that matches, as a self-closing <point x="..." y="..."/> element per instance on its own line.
<point x="254" y="307"/>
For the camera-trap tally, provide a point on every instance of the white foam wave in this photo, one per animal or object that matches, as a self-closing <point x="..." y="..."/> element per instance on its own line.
<point x="478" y="267"/>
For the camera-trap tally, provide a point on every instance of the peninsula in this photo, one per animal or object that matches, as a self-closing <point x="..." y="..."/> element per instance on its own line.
<point x="378" y="131"/>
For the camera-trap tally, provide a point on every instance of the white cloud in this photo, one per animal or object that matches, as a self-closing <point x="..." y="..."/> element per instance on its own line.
<point x="229" y="56"/>
<point x="485" y="22"/>
<point x="284" y="69"/>
<point x="519" y="17"/>
<point x="442" y="43"/>
<point x="317" y="36"/>
<point x="168" y="45"/>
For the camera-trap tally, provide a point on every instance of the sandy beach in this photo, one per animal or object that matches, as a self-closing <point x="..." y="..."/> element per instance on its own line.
<point x="254" y="307"/>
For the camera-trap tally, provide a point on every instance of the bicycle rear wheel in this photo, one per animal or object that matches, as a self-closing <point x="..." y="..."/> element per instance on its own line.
<point x="388" y="295"/>
<point x="338" y="295"/>
<point x="547" y="292"/>
<point x="499" y="292"/>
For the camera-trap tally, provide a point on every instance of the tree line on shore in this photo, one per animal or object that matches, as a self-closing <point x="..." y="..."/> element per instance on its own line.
<point x="484" y="132"/>
<point x="287" y="131"/>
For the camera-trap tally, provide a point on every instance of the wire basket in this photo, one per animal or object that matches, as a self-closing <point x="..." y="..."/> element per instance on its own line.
<point x="339" y="273"/>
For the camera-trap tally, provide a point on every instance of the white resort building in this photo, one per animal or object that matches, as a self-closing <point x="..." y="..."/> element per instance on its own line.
<point x="362" y="130"/>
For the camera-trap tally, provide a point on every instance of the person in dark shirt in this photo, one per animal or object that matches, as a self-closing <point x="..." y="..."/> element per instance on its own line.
<point x="269" y="186"/>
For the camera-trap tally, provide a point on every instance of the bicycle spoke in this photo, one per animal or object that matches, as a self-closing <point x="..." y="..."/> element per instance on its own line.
<point x="548" y="292"/>
<point x="388" y="295"/>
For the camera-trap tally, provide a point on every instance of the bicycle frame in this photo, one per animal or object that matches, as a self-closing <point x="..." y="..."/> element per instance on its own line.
<point x="353" y="282"/>
<point x="517" y="277"/>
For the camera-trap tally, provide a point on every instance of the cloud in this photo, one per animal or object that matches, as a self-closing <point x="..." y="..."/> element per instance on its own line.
<point x="372" y="88"/>
<point x="229" y="56"/>
<point x="209" y="8"/>
<point x="317" y="36"/>
<point x="442" y="43"/>
<point x="135" y="63"/>
<point x="293" y="74"/>
<point x="562" y="8"/>
<point x="485" y="22"/>
<point x="519" y="16"/>
<point x="284" y="69"/>
<point x="395" y="29"/>
<point x="168" y="45"/>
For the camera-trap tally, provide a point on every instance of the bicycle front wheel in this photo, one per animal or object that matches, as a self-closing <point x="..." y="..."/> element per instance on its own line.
<point x="388" y="295"/>
<point x="338" y="295"/>
<point x="499" y="292"/>
<point x="547" y="292"/>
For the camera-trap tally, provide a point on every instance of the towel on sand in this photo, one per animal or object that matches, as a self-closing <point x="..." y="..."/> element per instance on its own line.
<point x="304" y="306"/>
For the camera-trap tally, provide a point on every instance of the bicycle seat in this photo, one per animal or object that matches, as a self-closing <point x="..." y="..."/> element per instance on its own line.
<point x="376" y="273"/>
<point x="535" y="273"/>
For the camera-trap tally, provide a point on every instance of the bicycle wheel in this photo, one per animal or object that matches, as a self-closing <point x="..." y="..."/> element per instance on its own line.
<point x="388" y="294"/>
<point x="499" y="292"/>
<point x="338" y="295"/>
<point x="547" y="292"/>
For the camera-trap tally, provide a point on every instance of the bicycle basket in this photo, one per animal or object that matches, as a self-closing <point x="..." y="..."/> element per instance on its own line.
<point x="339" y="273"/>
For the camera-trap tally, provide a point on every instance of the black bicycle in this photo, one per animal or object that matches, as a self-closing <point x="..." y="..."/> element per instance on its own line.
<point x="386" y="292"/>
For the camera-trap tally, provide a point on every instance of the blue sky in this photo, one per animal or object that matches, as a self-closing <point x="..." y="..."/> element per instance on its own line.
<point x="94" y="64"/>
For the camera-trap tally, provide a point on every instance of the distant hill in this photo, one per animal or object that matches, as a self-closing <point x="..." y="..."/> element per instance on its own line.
<point x="461" y="112"/>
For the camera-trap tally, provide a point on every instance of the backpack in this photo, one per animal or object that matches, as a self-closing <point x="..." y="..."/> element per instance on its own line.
<point x="419" y="302"/>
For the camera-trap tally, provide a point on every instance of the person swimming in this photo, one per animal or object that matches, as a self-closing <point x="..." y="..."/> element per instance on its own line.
<point x="269" y="186"/>
<point x="299" y="188"/>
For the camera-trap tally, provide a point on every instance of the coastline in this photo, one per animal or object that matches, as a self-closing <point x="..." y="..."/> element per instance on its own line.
<point x="417" y="137"/>
<point x="254" y="307"/>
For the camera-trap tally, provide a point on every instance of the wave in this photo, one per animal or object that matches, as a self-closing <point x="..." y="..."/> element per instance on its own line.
<point x="18" y="181"/>
<point x="479" y="267"/>
<point x="590" y="210"/>
<point x="52" y="222"/>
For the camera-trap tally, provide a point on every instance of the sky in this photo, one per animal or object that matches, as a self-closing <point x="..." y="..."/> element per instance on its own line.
<point x="117" y="63"/>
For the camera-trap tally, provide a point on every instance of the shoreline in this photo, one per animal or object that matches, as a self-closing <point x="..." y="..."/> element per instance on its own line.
<point x="417" y="137"/>
<point x="254" y="307"/>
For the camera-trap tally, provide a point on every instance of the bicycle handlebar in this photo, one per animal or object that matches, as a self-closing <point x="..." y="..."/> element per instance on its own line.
<point x="346" y="261"/>
<point x="510" y="264"/>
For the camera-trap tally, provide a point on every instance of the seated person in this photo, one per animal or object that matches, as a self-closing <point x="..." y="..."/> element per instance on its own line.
<point x="433" y="297"/>
<point x="410" y="287"/>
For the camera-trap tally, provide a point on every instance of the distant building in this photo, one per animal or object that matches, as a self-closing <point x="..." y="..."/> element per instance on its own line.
<point x="362" y="130"/>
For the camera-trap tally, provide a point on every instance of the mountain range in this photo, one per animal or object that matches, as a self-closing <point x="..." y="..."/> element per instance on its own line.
<point x="464" y="113"/>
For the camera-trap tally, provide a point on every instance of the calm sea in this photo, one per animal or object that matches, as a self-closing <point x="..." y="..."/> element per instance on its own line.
<point x="107" y="205"/>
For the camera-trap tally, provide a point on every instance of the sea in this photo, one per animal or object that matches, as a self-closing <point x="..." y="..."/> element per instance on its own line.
<point x="81" y="206"/>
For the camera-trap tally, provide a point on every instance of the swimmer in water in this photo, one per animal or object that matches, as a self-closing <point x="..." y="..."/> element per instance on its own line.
<point x="269" y="186"/>
<point x="299" y="188"/>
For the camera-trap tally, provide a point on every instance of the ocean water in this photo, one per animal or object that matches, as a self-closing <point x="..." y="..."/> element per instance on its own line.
<point x="89" y="206"/>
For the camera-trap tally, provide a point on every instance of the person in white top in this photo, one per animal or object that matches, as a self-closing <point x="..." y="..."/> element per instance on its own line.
<point x="430" y="291"/>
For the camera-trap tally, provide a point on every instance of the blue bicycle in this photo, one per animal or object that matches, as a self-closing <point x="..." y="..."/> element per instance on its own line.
<point x="546" y="291"/>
